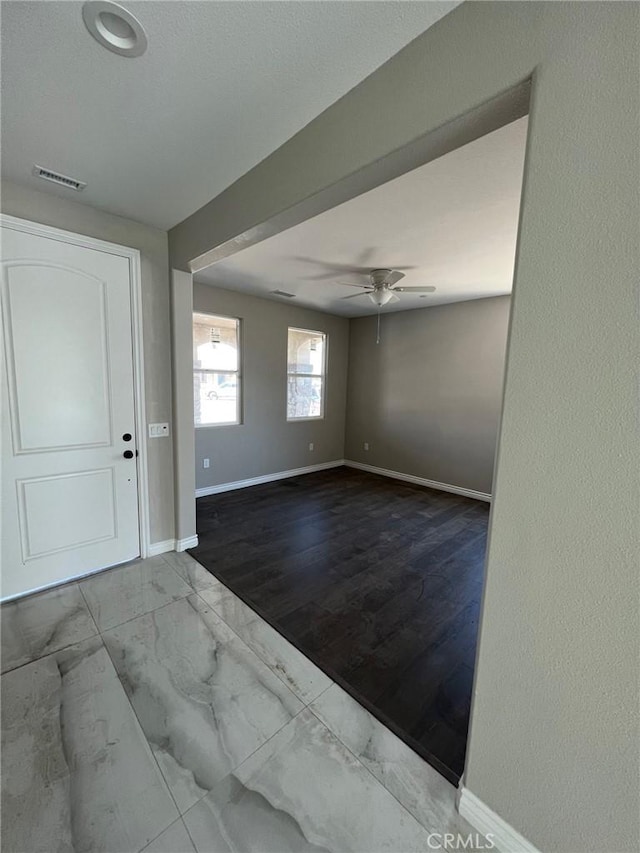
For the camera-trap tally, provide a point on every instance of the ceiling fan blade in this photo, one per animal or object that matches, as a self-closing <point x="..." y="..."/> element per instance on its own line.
<point x="348" y="284"/>
<point x="366" y="256"/>
<point x="393" y="277"/>
<point x="414" y="289"/>
<point x="355" y="295"/>
<point x="321" y="277"/>
<point x="333" y="269"/>
<point x="396" y="269"/>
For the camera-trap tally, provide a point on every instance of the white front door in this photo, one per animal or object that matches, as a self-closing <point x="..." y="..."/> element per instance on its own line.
<point x="69" y="492"/>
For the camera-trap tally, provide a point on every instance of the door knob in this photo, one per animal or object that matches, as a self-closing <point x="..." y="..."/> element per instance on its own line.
<point x="126" y="436"/>
<point x="128" y="454"/>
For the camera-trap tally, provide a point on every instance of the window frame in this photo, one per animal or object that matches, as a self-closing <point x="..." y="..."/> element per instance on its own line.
<point x="237" y="373"/>
<point x="322" y="376"/>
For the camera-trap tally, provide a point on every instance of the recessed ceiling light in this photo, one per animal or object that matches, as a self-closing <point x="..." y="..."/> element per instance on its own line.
<point x="114" y="27"/>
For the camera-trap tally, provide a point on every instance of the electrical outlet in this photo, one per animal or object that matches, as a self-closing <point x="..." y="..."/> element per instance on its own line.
<point x="205" y="463"/>
<point x="310" y="445"/>
<point x="366" y="445"/>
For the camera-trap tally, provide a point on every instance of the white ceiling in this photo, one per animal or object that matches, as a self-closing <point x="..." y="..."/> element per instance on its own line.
<point x="455" y="220"/>
<point x="221" y="86"/>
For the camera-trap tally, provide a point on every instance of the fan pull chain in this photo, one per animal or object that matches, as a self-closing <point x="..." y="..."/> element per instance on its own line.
<point x="378" y="335"/>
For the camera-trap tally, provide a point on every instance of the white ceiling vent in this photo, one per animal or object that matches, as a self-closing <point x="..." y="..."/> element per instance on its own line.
<point x="283" y="293"/>
<point x="56" y="178"/>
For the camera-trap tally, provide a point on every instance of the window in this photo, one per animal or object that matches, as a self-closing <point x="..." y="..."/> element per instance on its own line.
<point x="306" y="366"/>
<point x="216" y="370"/>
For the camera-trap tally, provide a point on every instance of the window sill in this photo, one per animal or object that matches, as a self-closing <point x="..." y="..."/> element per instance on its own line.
<point x="218" y="426"/>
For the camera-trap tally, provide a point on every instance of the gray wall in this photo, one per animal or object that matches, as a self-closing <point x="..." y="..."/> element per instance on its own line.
<point x="265" y="442"/>
<point x="68" y="215"/>
<point x="553" y="745"/>
<point x="427" y="398"/>
<point x="183" y="432"/>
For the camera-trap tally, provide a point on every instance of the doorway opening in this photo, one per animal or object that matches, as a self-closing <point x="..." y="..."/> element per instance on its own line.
<point x="374" y="568"/>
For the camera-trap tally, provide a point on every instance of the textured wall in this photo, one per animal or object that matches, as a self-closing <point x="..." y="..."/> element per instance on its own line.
<point x="68" y="215"/>
<point x="554" y="731"/>
<point x="183" y="432"/>
<point x="427" y="398"/>
<point x="265" y="442"/>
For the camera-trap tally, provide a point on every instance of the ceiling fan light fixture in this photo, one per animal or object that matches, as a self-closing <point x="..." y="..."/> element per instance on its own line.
<point x="380" y="297"/>
<point x="114" y="27"/>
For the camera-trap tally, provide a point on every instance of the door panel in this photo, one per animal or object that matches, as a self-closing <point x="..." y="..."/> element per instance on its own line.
<point x="49" y="506"/>
<point x="57" y="399"/>
<point x="69" y="497"/>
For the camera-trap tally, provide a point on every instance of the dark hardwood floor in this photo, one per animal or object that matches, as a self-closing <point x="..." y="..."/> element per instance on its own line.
<point x="377" y="581"/>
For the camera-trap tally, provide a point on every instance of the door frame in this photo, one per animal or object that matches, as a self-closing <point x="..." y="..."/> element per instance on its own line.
<point x="133" y="256"/>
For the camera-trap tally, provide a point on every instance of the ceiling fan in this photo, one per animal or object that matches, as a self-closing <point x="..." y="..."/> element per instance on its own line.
<point x="381" y="288"/>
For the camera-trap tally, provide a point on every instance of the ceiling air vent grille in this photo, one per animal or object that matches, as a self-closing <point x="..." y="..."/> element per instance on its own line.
<point x="56" y="178"/>
<point x="283" y="293"/>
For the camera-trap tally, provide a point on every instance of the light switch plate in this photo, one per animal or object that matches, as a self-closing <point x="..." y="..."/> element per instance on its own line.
<point x="158" y="430"/>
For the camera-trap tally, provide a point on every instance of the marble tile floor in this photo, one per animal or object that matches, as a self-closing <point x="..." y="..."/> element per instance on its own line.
<point x="148" y="709"/>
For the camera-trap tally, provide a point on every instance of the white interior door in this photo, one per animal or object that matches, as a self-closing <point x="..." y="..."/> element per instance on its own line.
<point x="69" y="492"/>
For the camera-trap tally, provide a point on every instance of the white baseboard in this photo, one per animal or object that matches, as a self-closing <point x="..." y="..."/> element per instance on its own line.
<point x="420" y="481"/>
<point x="266" y="478"/>
<point x="183" y="544"/>
<point x="156" y="548"/>
<point x="505" y="838"/>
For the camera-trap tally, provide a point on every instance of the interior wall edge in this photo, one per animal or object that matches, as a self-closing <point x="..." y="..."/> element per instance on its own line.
<point x="183" y="417"/>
